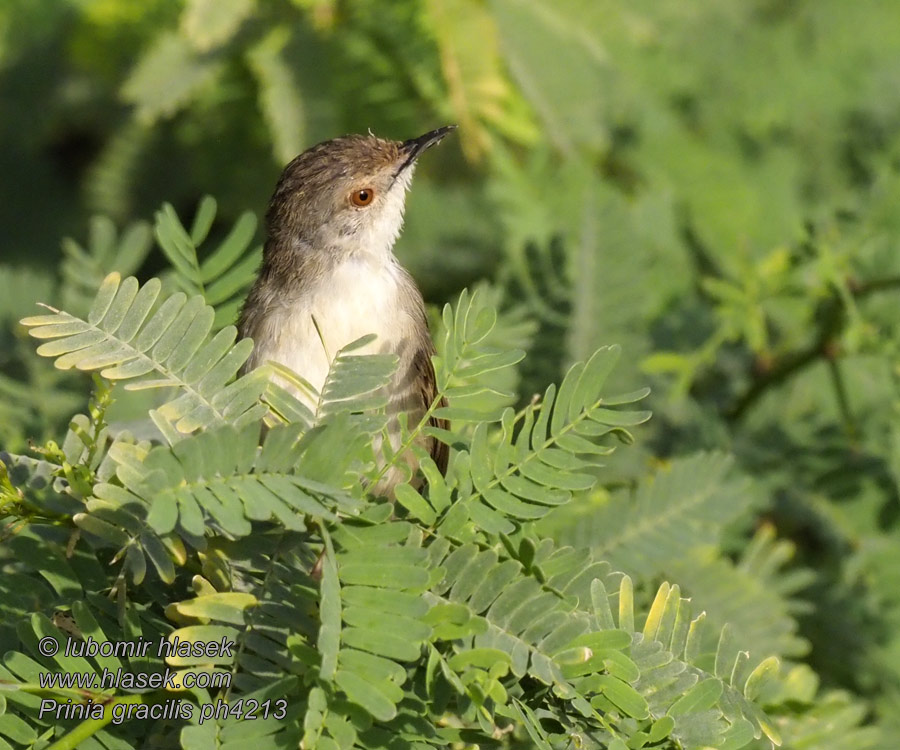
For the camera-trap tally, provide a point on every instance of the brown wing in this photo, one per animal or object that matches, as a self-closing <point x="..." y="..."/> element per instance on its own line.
<point x="440" y="451"/>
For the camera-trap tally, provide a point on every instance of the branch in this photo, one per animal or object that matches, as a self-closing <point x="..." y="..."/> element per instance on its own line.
<point x="89" y="727"/>
<point x="832" y="317"/>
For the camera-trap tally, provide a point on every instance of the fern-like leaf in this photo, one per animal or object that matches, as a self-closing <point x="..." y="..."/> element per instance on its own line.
<point x="84" y="268"/>
<point x="207" y="479"/>
<point x="682" y="507"/>
<point x="279" y="96"/>
<point x="126" y="336"/>
<point x="551" y="452"/>
<point x="225" y="274"/>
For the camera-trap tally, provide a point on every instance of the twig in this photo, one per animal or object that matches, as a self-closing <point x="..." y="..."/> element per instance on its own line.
<point x="832" y="316"/>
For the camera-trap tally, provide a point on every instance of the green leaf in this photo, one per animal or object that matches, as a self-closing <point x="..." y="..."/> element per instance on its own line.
<point x="383" y="575"/>
<point x="543" y="45"/>
<point x="228" y="606"/>
<point x="624" y="696"/>
<point x="661" y="728"/>
<point x="177" y="333"/>
<point x="211" y="23"/>
<point x="486" y="658"/>
<point x="279" y="96"/>
<point x="701" y="697"/>
<point x="417" y="506"/>
<point x="765" y="671"/>
<point x="366" y="695"/>
<point x="230" y="250"/>
<point x="329" y="612"/>
<point x="166" y="77"/>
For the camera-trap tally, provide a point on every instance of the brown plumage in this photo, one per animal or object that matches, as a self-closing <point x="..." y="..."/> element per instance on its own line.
<point x="329" y="275"/>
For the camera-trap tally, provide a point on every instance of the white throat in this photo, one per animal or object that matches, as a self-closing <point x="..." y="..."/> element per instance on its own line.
<point x="379" y="234"/>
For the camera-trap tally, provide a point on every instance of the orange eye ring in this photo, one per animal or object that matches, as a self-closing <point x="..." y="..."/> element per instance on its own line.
<point x="362" y="197"/>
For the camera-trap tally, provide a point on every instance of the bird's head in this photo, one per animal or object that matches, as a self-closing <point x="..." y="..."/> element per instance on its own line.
<point x="346" y="195"/>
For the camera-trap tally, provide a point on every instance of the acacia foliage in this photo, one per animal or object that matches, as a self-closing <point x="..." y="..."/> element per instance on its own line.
<point x="712" y="185"/>
<point x="443" y="618"/>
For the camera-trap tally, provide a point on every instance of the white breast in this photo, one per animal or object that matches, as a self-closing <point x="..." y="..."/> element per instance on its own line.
<point x="359" y="297"/>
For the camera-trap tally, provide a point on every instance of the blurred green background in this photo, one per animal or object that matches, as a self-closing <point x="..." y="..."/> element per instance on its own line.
<point x="714" y="185"/>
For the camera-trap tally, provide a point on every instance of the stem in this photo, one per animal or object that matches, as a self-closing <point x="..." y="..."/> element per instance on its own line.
<point x="843" y="399"/>
<point x="90" y="727"/>
<point x="535" y="453"/>
<point x="248" y="626"/>
<point x="861" y="289"/>
<point x="832" y="316"/>
<point x="787" y="367"/>
<point x="76" y="694"/>
<point x="406" y="444"/>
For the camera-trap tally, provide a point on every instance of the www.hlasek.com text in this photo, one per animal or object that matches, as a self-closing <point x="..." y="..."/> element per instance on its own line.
<point x="121" y="679"/>
<point x="112" y="679"/>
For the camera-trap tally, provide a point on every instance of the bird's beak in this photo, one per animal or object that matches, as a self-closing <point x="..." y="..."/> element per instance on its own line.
<point x="412" y="148"/>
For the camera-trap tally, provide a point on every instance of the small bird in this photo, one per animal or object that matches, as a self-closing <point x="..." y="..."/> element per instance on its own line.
<point x="329" y="275"/>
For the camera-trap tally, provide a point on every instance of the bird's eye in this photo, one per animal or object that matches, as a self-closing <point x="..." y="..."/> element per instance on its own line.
<point x="362" y="197"/>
